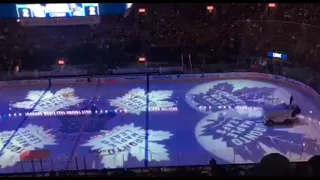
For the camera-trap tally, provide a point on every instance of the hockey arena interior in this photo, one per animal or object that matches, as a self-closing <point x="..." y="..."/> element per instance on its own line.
<point x="122" y="89"/>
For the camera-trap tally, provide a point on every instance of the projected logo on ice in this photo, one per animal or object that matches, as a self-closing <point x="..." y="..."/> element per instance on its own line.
<point x="26" y="139"/>
<point x="117" y="145"/>
<point x="223" y="94"/>
<point x="135" y="101"/>
<point x="240" y="136"/>
<point x="63" y="98"/>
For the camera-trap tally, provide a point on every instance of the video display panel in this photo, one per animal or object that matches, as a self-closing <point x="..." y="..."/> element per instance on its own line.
<point x="57" y="10"/>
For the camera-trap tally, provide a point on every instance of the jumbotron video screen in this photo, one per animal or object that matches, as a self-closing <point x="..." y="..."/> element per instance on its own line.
<point x="65" y="14"/>
<point x="57" y="10"/>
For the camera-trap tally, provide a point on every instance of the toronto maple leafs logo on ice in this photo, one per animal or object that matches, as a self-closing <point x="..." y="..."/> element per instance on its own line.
<point x="231" y="93"/>
<point x="26" y="139"/>
<point x="242" y="133"/>
<point x="63" y="98"/>
<point x="135" y="100"/>
<point x="116" y="145"/>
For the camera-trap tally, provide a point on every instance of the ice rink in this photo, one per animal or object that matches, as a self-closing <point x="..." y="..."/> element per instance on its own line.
<point x="188" y="122"/>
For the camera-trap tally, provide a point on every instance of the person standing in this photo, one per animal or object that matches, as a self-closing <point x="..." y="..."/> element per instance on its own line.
<point x="291" y="99"/>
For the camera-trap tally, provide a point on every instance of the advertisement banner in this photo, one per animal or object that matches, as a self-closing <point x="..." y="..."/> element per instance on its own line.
<point x="225" y="75"/>
<point x="288" y="80"/>
<point x="211" y="75"/>
<point x="10" y="83"/>
<point x="110" y="79"/>
<point x="35" y="82"/>
<point x="232" y="75"/>
<point x="312" y="91"/>
<point x="166" y="77"/>
<point x="187" y="76"/>
<point x="147" y="70"/>
<point x="297" y="83"/>
<point x="134" y="78"/>
<point x="24" y="82"/>
<point x="260" y="75"/>
<point x="120" y="79"/>
<point x="279" y="78"/>
<point x="81" y="80"/>
<point x="92" y="79"/>
<point x="67" y="81"/>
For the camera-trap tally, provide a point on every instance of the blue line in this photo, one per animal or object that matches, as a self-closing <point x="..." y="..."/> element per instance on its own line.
<point x="25" y="118"/>
<point x="146" y="150"/>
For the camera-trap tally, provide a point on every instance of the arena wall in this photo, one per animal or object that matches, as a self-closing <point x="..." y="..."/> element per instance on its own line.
<point x="160" y="78"/>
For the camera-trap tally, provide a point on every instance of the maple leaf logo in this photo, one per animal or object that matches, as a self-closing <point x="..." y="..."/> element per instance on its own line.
<point x="231" y="93"/>
<point x="63" y="98"/>
<point x="29" y="138"/>
<point x="244" y="132"/>
<point x="121" y="142"/>
<point x="135" y="100"/>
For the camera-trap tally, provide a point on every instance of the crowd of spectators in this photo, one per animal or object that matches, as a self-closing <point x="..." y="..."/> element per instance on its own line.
<point x="165" y="31"/>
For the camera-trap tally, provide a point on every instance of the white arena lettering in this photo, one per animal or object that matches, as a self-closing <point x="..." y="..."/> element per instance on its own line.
<point x="155" y="109"/>
<point x="86" y="112"/>
<point x="247" y="138"/>
<point x="73" y="112"/>
<point x="13" y="148"/>
<point x="243" y="126"/>
<point x="22" y="141"/>
<point x="234" y="122"/>
<point x="34" y="114"/>
<point x="60" y="113"/>
<point x="229" y="125"/>
<point x="236" y="142"/>
<point x="248" y="122"/>
<point x="220" y="97"/>
<point x="256" y="133"/>
<point x="236" y="130"/>
<point x="49" y="113"/>
<point x="251" y="137"/>
<point x="137" y="102"/>
<point x="232" y="135"/>
<point x="248" y="108"/>
<point x="119" y="141"/>
<point x="58" y="14"/>
<point x="277" y="55"/>
<point x="170" y="109"/>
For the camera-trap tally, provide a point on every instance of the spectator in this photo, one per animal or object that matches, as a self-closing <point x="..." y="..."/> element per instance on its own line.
<point x="314" y="165"/>
<point x="273" y="164"/>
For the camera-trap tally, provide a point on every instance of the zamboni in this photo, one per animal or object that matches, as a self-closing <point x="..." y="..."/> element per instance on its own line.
<point x="280" y="114"/>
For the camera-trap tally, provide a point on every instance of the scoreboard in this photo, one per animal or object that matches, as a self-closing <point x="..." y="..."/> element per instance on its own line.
<point x="58" y="14"/>
<point x="57" y="10"/>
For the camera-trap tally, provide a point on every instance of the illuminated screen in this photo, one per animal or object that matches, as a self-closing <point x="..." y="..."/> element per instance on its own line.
<point x="128" y="5"/>
<point x="104" y="126"/>
<point x="57" y="10"/>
